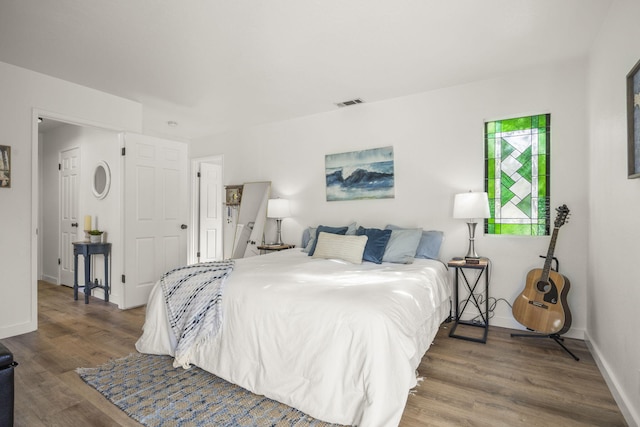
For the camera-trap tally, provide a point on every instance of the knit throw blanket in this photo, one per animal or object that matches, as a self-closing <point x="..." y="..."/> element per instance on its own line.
<point x="193" y="295"/>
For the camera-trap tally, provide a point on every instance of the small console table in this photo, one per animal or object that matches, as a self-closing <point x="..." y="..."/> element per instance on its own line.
<point x="482" y="266"/>
<point x="87" y="250"/>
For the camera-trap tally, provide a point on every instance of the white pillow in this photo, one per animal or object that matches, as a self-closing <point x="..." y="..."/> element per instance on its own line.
<point x="337" y="246"/>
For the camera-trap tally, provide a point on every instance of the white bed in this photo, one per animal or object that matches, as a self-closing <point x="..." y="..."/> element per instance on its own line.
<point x="338" y="341"/>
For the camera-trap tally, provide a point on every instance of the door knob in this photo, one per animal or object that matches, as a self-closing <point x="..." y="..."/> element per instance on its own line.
<point x="74" y="224"/>
<point x="183" y="226"/>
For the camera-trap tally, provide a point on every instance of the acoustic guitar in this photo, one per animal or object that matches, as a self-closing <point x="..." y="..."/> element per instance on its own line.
<point x="542" y="305"/>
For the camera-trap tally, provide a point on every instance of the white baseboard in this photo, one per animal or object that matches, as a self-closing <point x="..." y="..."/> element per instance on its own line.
<point x="18" y="329"/>
<point x="50" y="279"/>
<point x="95" y="293"/>
<point x="630" y="414"/>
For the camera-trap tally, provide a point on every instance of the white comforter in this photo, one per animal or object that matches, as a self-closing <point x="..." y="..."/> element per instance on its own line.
<point x="338" y="341"/>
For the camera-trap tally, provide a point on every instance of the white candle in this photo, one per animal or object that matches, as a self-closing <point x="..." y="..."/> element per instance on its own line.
<point x="87" y="222"/>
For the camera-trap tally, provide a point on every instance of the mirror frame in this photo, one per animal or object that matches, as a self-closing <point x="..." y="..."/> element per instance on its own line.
<point x="101" y="194"/>
<point x="252" y="210"/>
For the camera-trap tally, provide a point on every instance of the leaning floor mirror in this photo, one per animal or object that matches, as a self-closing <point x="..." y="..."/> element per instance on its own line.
<point x="252" y="218"/>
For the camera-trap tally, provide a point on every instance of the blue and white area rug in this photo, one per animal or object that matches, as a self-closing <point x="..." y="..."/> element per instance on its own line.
<point x="151" y="391"/>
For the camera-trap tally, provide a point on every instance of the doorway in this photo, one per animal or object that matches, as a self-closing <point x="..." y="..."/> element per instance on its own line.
<point x="100" y="147"/>
<point x="207" y="242"/>
<point x="68" y="153"/>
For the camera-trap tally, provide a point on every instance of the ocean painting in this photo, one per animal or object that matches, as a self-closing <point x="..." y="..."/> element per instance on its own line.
<point x="366" y="174"/>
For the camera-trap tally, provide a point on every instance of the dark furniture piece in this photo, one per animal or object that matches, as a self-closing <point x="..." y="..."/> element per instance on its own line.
<point x="87" y="250"/>
<point x="482" y="267"/>
<point x="7" y="364"/>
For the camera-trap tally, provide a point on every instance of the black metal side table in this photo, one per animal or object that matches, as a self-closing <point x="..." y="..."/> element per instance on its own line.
<point x="482" y="267"/>
<point x="87" y="250"/>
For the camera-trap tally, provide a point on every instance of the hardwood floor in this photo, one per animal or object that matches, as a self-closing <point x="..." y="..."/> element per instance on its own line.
<point x="506" y="382"/>
<point x="510" y="382"/>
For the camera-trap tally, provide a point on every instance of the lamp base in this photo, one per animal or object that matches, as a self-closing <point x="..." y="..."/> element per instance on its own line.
<point x="279" y="227"/>
<point x="471" y="253"/>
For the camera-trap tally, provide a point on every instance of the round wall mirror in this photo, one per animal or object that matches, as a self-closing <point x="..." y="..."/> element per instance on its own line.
<point x="101" y="180"/>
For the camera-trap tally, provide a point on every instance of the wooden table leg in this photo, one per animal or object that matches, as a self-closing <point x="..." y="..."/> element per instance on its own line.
<point x="87" y="278"/>
<point x="75" y="276"/>
<point x="106" y="277"/>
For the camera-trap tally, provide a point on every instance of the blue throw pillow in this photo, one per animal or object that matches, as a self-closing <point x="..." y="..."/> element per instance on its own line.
<point x="320" y="229"/>
<point x="429" y="246"/>
<point x="376" y="243"/>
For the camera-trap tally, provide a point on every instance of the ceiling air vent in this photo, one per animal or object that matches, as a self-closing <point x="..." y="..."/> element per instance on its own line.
<point x="350" y="102"/>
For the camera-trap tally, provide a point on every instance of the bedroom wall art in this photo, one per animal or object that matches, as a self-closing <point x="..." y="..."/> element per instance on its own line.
<point x="365" y="174"/>
<point x="5" y="166"/>
<point x="633" y="121"/>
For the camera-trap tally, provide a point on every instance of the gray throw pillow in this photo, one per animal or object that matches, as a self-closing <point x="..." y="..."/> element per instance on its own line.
<point x="402" y="245"/>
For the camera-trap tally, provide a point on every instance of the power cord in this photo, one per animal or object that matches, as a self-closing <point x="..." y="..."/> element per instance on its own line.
<point x="493" y="302"/>
<point x="480" y="297"/>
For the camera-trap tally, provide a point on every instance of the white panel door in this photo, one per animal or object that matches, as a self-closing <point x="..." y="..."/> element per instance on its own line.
<point x="69" y="211"/>
<point x="155" y="213"/>
<point x="210" y="235"/>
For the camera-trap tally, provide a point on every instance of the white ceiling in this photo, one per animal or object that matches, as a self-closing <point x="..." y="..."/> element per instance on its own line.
<point x="214" y="65"/>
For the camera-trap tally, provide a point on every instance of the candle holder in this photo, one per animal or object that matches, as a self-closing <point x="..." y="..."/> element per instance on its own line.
<point x="87" y="227"/>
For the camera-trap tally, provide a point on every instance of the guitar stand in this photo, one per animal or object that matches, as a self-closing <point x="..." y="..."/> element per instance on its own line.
<point x="556" y="337"/>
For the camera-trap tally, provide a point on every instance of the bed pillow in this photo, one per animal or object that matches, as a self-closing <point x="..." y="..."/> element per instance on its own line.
<point x="323" y="228"/>
<point x="402" y="245"/>
<point x="429" y="246"/>
<point x="351" y="229"/>
<point x="308" y="235"/>
<point x="376" y="243"/>
<point x="336" y="246"/>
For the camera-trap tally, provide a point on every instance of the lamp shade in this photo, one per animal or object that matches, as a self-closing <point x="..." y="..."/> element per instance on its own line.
<point x="278" y="208"/>
<point x="471" y="205"/>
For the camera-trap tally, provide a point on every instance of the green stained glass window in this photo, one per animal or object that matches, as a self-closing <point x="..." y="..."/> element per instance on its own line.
<point x="517" y="175"/>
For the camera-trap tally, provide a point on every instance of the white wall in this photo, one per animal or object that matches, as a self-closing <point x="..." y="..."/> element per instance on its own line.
<point x="438" y="147"/>
<point x="95" y="145"/>
<point x="614" y="202"/>
<point x="26" y="94"/>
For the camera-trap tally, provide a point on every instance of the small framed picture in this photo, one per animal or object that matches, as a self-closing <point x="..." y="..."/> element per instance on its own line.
<point x="633" y="121"/>
<point x="233" y="194"/>
<point x="5" y="166"/>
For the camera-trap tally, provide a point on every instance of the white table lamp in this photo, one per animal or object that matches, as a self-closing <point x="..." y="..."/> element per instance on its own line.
<point x="278" y="209"/>
<point x="471" y="206"/>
